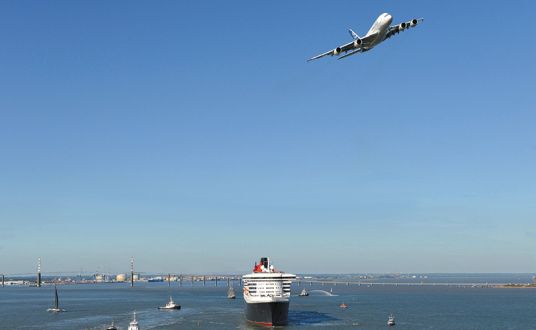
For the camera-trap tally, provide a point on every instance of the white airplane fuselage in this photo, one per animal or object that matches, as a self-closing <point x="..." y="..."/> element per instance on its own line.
<point x="379" y="29"/>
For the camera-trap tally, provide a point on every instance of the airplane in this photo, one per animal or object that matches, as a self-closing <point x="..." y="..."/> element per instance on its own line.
<point x="379" y="32"/>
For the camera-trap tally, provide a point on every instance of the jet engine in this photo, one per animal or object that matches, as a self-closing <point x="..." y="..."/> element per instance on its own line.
<point x="337" y="51"/>
<point x="357" y="42"/>
<point x="414" y="22"/>
<point x="403" y="26"/>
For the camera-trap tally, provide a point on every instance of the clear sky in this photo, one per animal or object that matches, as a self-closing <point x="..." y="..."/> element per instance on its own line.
<point x="195" y="137"/>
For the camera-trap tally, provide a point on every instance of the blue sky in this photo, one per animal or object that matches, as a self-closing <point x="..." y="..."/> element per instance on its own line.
<point x="195" y="137"/>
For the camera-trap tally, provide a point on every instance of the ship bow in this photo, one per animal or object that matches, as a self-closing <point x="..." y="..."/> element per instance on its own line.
<point x="270" y="314"/>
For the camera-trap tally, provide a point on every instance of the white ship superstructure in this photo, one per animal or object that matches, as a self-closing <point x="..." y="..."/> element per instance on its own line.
<point x="267" y="293"/>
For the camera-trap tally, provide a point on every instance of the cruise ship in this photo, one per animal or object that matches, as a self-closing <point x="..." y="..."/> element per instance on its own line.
<point x="267" y="293"/>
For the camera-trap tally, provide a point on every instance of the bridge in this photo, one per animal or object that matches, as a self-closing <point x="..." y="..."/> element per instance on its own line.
<point x="310" y="282"/>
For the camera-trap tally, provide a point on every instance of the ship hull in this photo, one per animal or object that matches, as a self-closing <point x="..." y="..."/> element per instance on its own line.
<point x="268" y="313"/>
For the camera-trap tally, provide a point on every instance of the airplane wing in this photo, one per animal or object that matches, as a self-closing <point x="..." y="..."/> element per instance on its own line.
<point x="336" y="51"/>
<point x="353" y="45"/>
<point x="331" y="53"/>
<point x="360" y="50"/>
<point x="395" y="29"/>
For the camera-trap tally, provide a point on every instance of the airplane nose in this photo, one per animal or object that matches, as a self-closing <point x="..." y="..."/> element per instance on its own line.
<point x="389" y="18"/>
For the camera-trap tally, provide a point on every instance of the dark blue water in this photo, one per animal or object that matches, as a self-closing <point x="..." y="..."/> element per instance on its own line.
<point x="418" y="307"/>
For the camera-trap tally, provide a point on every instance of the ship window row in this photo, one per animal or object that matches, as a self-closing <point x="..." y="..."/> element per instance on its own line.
<point x="278" y="279"/>
<point x="267" y="286"/>
<point x="267" y="290"/>
<point x="270" y="295"/>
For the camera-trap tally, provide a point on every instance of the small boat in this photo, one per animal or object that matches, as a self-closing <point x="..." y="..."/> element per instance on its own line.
<point x="133" y="324"/>
<point x="170" y="305"/>
<point x="304" y="293"/>
<point x="56" y="308"/>
<point x="111" y="327"/>
<point x="343" y="306"/>
<point x="230" y="293"/>
<point x="391" y="320"/>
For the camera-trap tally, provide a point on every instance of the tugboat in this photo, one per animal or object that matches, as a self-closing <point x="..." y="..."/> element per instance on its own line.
<point x="133" y="324"/>
<point x="267" y="293"/>
<point x="111" y="327"/>
<point x="170" y="305"/>
<point x="56" y="308"/>
<point x="230" y="293"/>
<point x="304" y="293"/>
<point x="391" y="320"/>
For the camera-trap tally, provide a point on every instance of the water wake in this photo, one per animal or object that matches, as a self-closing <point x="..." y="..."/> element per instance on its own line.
<point x="322" y="293"/>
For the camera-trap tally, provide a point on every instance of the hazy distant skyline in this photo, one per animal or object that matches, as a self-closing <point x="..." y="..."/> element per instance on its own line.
<point x="195" y="137"/>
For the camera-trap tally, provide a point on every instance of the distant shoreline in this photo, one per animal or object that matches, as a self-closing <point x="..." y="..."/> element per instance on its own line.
<point x="517" y="286"/>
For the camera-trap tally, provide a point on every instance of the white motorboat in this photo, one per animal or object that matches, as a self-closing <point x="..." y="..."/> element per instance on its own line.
<point x="230" y="293"/>
<point x="391" y="320"/>
<point x="133" y="324"/>
<point x="170" y="305"/>
<point x="112" y="326"/>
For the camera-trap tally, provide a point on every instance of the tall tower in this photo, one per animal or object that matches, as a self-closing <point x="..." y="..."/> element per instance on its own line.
<point x="39" y="272"/>
<point x="132" y="272"/>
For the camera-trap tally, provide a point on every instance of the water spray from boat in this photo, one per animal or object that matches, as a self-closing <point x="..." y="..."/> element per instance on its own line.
<point x="322" y="293"/>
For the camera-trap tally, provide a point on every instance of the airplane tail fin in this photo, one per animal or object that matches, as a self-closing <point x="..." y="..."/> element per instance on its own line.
<point x="353" y="34"/>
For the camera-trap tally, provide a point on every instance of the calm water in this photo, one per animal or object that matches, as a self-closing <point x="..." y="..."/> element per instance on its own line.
<point x="94" y="306"/>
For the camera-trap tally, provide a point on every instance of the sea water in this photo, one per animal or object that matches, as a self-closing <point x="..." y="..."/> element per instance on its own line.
<point x="94" y="306"/>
